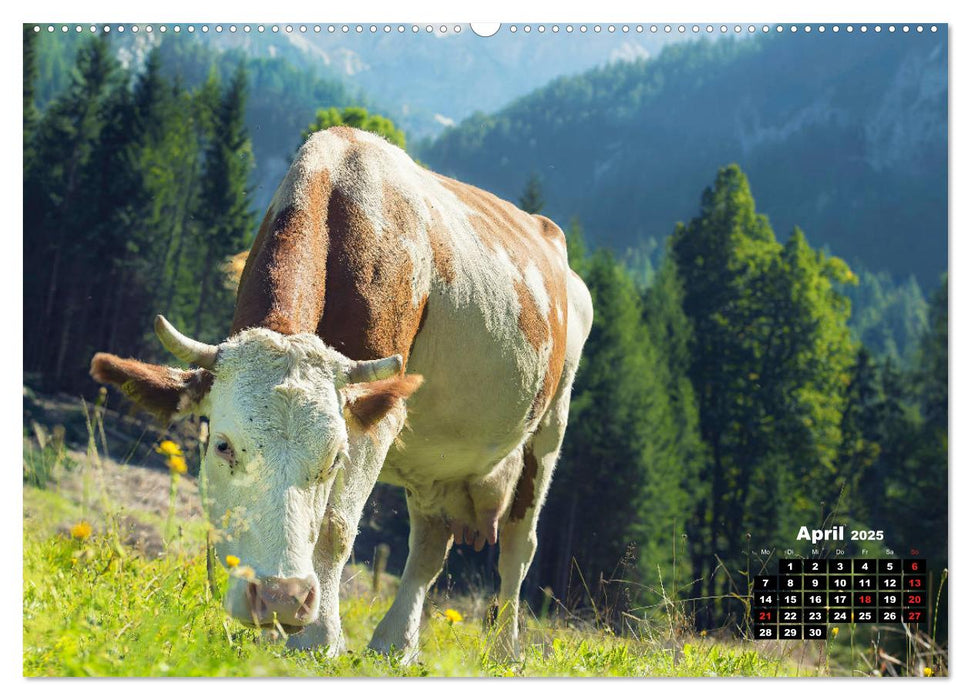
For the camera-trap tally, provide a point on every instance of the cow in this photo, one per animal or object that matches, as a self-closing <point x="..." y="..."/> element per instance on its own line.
<point x="390" y="324"/>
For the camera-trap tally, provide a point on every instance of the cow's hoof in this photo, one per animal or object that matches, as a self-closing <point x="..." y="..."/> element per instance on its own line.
<point x="317" y="638"/>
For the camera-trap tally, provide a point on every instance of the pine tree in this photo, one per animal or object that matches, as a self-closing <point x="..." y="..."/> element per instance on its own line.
<point x="723" y="257"/>
<point x="31" y="114"/>
<point x="576" y="247"/>
<point x="34" y="195"/>
<point x="54" y="199"/>
<point x="169" y="132"/>
<point x="617" y="499"/>
<point x="928" y="502"/>
<point x="531" y="200"/>
<point x="600" y="466"/>
<point x="932" y="373"/>
<point x="670" y="332"/>
<point x="861" y="435"/>
<point x="195" y="119"/>
<point x="151" y="93"/>
<point x="225" y="212"/>
<point x="806" y="366"/>
<point x="917" y="490"/>
<point x="771" y="355"/>
<point x="117" y="200"/>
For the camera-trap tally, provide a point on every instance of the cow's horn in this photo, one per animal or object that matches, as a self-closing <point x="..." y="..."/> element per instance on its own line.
<point x="186" y="349"/>
<point x="373" y="370"/>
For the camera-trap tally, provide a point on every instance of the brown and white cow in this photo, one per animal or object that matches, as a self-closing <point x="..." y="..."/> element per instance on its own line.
<point x="367" y="264"/>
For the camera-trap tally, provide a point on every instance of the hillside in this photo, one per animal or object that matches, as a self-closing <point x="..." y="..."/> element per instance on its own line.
<point x="115" y="584"/>
<point x="845" y="136"/>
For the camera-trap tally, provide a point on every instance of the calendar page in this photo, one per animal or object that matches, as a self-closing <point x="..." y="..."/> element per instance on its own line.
<point x="523" y="349"/>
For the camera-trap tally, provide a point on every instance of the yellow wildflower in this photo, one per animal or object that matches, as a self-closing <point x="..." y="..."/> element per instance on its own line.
<point x="928" y="671"/>
<point x="453" y="616"/>
<point x="704" y="633"/>
<point x="232" y="561"/>
<point x="177" y="464"/>
<point x="836" y="631"/>
<point x="169" y="449"/>
<point x="81" y="531"/>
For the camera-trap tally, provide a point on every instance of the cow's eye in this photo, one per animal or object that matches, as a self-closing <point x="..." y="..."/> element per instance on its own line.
<point x="341" y="460"/>
<point x="224" y="449"/>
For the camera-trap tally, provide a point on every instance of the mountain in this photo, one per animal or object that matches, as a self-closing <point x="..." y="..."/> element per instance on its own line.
<point x="426" y="81"/>
<point x="423" y="81"/>
<point x="842" y="135"/>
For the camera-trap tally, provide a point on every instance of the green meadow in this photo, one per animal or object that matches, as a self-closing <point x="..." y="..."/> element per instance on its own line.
<point x="116" y="584"/>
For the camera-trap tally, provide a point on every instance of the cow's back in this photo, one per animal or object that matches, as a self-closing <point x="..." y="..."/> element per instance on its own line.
<point x="378" y="255"/>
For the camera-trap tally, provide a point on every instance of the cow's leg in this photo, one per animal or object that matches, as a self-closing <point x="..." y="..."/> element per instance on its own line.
<point x="428" y="545"/>
<point x="339" y="528"/>
<point x="517" y="536"/>
<point x="330" y="555"/>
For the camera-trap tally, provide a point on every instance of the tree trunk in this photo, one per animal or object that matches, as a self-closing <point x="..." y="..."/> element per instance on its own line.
<point x="59" y="220"/>
<point x="717" y="494"/>
<point x="120" y="297"/>
<point x="566" y="557"/>
<point x="63" y="342"/>
<point x="104" y="301"/>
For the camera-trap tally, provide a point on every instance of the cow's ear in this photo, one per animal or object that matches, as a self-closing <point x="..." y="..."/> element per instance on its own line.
<point x="165" y="392"/>
<point x="369" y="403"/>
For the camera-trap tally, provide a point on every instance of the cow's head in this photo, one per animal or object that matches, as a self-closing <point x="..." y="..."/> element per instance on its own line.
<point x="295" y="431"/>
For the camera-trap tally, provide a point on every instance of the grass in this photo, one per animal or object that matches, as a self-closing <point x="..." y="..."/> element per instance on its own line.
<point x="104" y="605"/>
<point x="95" y="607"/>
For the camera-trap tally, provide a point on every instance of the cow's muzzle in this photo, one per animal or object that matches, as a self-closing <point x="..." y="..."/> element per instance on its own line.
<point x="291" y="602"/>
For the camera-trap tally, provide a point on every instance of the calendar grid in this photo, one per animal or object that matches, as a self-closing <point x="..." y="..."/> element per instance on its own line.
<point x="806" y="596"/>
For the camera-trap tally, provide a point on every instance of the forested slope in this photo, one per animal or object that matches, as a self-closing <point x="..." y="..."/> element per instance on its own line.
<point x="843" y="135"/>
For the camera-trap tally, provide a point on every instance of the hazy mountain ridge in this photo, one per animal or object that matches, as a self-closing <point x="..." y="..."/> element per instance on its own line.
<point x="844" y="136"/>
<point x="402" y="76"/>
<point x="428" y="80"/>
